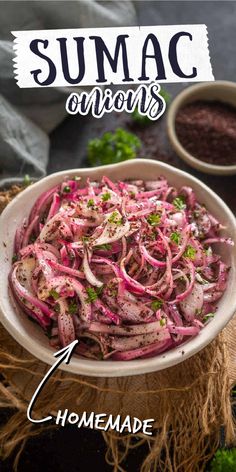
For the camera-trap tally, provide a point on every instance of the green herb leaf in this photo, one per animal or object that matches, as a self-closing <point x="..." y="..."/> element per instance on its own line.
<point x="165" y="95"/>
<point x="66" y="189"/>
<point x="115" y="218"/>
<point x="175" y="237"/>
<point x="90" y="203"/>
<point x="154" y="219"/>
<point x="92" y="295"/>
<point x="162" y="321"/>
<point x="140" y="119"/>
<point x="190" y="252"/>
<point x="143" y="120"/>
<point x="224" y="461"/>
<point x="105" y="247"/>
<point x="14" y="258"/>
<point x="53" y="293"/>
<point x="85" y="239"/>
<point x="208" y="316"/>
<point x="73" y="307"/>
<point x="179" y="203"/>
<point x="156" y="304"/>
<point x="113" y="147"/>
<point x="106" y="196"/>
<point x="57" y="308"/>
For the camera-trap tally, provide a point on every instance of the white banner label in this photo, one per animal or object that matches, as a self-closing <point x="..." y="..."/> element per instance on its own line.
<point x="103" y="56"/>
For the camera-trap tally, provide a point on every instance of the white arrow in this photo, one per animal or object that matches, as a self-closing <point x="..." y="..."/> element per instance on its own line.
<point x="64" y="355"/>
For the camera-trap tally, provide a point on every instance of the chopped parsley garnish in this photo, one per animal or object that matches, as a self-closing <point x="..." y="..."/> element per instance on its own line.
<point x="208" y="316"/>
<point x="156" y="304"/>
<point x="105" y="247"/>
<point x="85" y="239"/>
<point x="154" y="219"/>
<point x="106" y="196"/>
<point x="57" y="308"/>
<point x="143" y="120"/>
<point x="53" y="293"/>
<point x="90" y="203"/>
<point x="175" y="237"/>
<point x="92" y="295"/>
<point x="113" y="147"/>
<point x="99" y="290"/>
<point x="162" y="321"/>
<point x="179" y="203"/>
<point x="14" y="258"/>
<point x="115" y="218"/>
<point x="73" y="307"/>
<point x="190" y="252"/>
<point x="66" y="189"/>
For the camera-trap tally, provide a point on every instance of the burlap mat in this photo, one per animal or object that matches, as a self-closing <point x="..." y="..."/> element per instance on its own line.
<point x="190" y="403"/>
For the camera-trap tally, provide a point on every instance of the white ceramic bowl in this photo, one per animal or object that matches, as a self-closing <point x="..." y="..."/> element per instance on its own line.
<point x="30" y="336"/>
<point x="222" y="91"/>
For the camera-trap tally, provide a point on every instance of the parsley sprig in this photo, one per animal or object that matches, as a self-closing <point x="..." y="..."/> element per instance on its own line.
<point x="179" y="203"/>
<point x="175" y="237"/>
<point x="113" y="147"/>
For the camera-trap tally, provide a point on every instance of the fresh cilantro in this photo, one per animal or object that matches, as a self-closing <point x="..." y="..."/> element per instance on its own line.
<point x="224" y="461"/>
<point x="208" y="317"/>
<point x="106" y="196"/>
<point x="99" y="290"/>
<point x="162" y="321"/>
<point x="73" y="307"/>
<point x="175" y="237"/>
<point x="105" y="247"/>
<point x="53" y="293"/>
<point x="143" y="119"/>
<point x="156" y="304"/>
<point x="90" y="203"/>
<point x="32" y="238"/>
<point x="115" y="218"/>
<point x="92" y="295"/>
<point x="179" y="203"/>
<point x="165" y="95"/>
<point x="57" y="308"/>
<point x="154" y="219"/>
<point x="140" y="119"/>
<point x="113" y="147"/>
<point x="14" y="258"/>
<point x="66" y="189"/>
<point x="189" y="252"/>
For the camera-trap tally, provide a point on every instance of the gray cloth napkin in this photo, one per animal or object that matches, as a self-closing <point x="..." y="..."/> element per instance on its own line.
<point x="28" y="115"/>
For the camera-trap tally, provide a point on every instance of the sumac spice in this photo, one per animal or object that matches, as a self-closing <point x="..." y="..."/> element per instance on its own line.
<point x="207" y="130"/>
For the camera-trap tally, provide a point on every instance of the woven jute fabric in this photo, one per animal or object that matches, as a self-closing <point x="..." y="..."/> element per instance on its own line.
<point x="191" y="404"/>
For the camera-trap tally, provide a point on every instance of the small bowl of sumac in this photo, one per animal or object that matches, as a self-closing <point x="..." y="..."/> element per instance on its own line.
<point x="201" y="125"/>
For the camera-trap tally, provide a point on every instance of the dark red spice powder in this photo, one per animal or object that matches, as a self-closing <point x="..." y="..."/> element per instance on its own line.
<point x="207" y="130"/>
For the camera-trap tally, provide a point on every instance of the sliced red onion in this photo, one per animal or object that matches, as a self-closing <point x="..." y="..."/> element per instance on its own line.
<point x="90" y="277"/>
<point x="140" y="278"/>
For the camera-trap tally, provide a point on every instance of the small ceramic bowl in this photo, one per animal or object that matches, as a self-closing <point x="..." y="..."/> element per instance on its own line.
<point x="30" y="335"/>
<point x="222" y="91"/>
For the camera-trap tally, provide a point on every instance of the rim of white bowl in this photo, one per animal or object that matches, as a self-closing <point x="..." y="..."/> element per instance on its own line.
<point x="116" y="368"/>
<point x="193" y="161"/>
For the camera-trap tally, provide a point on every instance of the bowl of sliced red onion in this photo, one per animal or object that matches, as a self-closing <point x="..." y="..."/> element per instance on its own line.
<point x="136" y="261"/>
